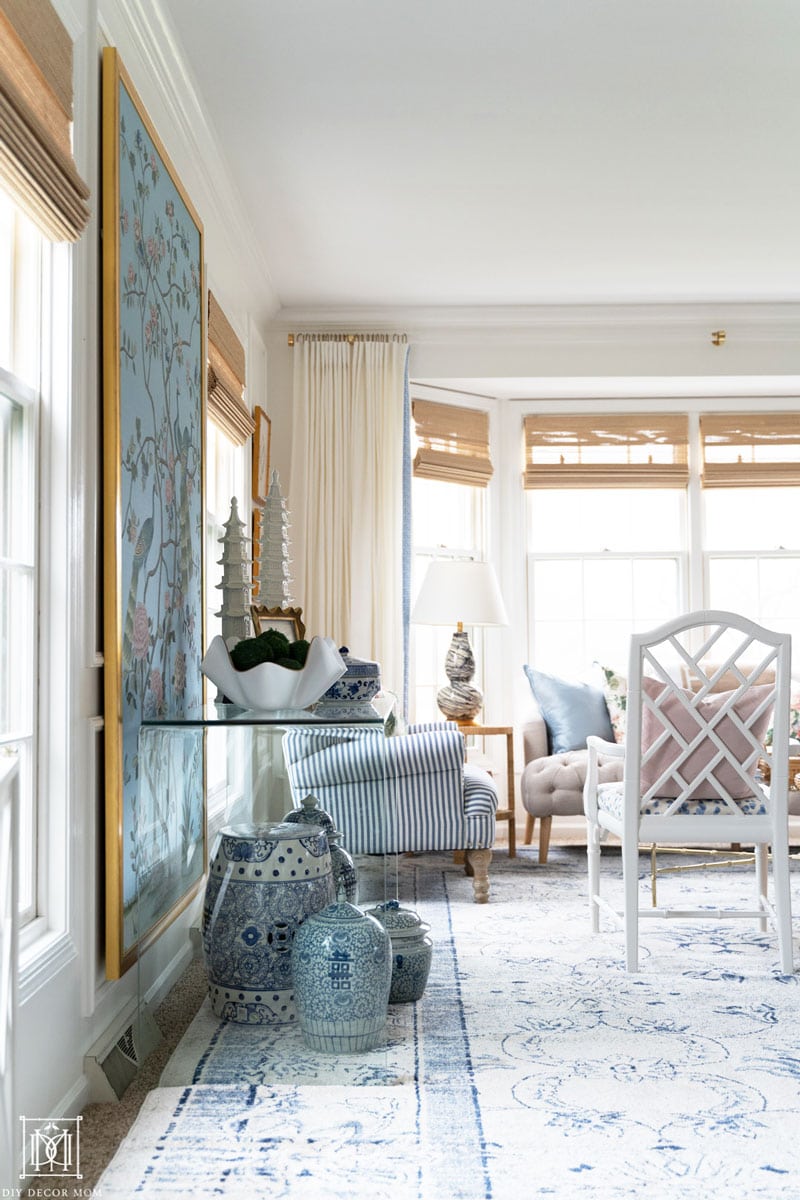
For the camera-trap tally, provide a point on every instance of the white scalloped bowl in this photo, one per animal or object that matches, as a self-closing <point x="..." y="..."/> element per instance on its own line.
<point x="269" y="687"/>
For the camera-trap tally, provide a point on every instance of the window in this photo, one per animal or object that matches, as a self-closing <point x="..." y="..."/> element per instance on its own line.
<point x="224" y="479"/>
<point x="448" y="518"/>
<point x="601" y="563"/>
<point x="21" y="354"/>
<point x="751" y="494"/>
<point x="452" y="468"/>
<point x="604" y="560"/>
<point x="752" y="556"/>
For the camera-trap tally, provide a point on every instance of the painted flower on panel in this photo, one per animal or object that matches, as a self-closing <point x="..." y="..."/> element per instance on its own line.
<point x="141" y="632"/>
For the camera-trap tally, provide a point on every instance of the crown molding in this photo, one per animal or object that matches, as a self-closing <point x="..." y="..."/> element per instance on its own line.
<point x="514" y="324"/>
<point x="154" y="58"/>
<point x="781" y="390"/>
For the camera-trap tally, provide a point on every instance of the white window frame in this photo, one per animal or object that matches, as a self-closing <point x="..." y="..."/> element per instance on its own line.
<point x="24" y="740"/>
<point x="47" y="939"/>
<point x="39" y="378"/>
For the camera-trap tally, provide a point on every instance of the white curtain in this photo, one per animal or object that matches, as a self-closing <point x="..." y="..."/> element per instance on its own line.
<point x="345" y="494"/>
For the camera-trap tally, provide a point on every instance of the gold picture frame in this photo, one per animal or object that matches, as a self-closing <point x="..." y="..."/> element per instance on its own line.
<point x="262" y="437"/>
<point x="283" y="619"/>
<point x="154" y="408"/>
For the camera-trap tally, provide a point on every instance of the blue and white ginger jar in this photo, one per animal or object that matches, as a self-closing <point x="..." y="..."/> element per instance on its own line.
<point x="412" y="950"/>
<point x="342" y="968"/>
<point x="263" y="882"/>
<point x="310" y="813"/>
<point x="361" y="681"/>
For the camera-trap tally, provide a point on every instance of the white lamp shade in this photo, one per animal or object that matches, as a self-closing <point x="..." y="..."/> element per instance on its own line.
<point x="459" y="590"/>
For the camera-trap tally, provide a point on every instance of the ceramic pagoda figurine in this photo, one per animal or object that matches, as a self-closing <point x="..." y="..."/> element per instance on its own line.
<point x="274" y="581"/>
<point x="235" y="585"/>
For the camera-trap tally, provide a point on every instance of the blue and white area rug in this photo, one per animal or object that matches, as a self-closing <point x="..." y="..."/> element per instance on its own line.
<point x="533" y="1066"/>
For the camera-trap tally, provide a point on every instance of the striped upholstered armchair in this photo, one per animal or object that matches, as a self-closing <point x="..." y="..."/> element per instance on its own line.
<point x="413" y="792"/>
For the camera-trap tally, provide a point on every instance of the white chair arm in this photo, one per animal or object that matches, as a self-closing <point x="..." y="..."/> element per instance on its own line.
<point x="597" y="746"/>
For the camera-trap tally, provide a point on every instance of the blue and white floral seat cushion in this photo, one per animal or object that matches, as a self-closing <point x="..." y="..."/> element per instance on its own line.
<point x="611" y="797"/>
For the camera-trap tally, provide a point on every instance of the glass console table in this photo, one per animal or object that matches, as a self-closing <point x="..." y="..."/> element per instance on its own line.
<point x="223" y="766"/>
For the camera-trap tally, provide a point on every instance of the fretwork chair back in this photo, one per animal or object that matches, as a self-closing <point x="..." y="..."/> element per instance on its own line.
<point x="690" y="763"/>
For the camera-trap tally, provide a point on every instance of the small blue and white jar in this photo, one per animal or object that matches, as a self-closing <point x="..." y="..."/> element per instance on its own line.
<point x="360" y="683"/>
<point x="345" y="879"/>
<point x="310" y="813"/>
<point x="342" y="970"/>
<point x="263" y="882"/>
<point x="412" y="950"/>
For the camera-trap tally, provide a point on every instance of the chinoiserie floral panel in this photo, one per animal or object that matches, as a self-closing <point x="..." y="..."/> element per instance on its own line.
<point x="161" y="375"/>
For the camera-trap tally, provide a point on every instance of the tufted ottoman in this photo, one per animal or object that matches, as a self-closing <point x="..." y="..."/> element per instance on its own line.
<point x="552" y="786"/>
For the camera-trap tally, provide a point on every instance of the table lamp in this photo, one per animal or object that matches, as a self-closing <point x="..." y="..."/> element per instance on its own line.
<point x="467" y="591"/>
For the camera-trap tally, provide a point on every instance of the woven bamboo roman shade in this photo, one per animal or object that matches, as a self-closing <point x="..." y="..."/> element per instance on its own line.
<point x="750" y="449"/>
<point x="226" y="377"/>
<point x="453" y="443"/>
<point x="36" y="164"/>
<point x="616" y="451"/>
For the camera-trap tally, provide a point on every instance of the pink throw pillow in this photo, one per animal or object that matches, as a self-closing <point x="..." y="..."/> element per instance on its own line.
<point x="688" y="726"/>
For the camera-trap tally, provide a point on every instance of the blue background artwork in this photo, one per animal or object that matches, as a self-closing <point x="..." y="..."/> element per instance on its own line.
<point x="160" y="412"/>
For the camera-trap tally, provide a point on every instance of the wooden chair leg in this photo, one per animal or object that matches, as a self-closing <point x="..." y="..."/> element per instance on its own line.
<point x="545" y="825"/>
<point x="478" y="867"/>
<point x="529" y="824"/>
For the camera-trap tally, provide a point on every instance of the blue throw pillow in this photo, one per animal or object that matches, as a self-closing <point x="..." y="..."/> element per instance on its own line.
<point x="571" y="711"/>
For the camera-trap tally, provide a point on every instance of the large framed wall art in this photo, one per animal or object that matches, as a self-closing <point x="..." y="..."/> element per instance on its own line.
<point x="154" y="373"/>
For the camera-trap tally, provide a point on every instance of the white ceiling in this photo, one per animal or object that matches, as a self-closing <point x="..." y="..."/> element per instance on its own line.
<point x="509" y="152"/>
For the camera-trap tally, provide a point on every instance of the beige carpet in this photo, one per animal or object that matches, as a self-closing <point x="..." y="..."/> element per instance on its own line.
<point x="104" y="1125"/>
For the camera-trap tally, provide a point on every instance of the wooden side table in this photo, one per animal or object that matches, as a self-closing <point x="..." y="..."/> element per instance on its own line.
<point x="469" y="728"/>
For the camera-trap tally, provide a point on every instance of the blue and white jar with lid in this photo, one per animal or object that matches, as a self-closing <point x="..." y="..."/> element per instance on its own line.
<point x="412" y="950"/>
<point x="342" y="971"/>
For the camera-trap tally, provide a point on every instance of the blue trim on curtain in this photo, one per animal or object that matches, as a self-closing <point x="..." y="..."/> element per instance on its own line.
<point x="406" y="533"/>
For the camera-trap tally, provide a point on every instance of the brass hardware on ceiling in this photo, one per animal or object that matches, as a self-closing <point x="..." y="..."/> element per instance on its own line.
<point x="718" y="337"/>
<point x="350" y="338"/>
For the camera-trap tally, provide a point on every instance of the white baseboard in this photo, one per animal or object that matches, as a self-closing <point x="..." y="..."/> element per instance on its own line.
<point x="164" y="982"/>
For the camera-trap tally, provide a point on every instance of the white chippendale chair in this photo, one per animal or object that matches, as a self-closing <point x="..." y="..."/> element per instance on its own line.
<point x="690" y="759"/>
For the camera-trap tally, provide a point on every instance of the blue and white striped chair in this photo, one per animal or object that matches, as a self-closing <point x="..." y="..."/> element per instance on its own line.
<point x="413" y="792"/>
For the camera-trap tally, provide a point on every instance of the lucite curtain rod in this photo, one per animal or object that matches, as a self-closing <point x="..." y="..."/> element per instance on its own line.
<point x="350" y="338"/>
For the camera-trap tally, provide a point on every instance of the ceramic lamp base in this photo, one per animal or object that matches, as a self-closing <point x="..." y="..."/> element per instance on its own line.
<point x="461" y="701"/>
